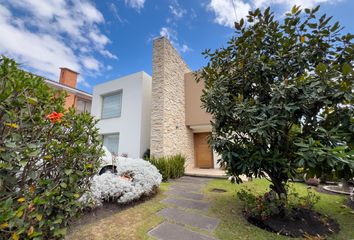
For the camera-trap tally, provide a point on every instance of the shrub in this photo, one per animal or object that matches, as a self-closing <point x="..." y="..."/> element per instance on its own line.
<point x="313" y="182"/>
<point x="169" y="167"/>
<point x="162" y="165"/>
<point x="176" y="164"/>
<point x="134" y="179"/>
<point x="270" y="204"/>
<point x="47" y="156"/>
<point x="146" y="155"/>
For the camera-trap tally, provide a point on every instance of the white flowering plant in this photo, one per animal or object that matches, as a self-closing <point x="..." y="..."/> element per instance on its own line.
<point x="131" y="180"/>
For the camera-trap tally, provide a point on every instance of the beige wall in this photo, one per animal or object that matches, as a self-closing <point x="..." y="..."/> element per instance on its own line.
<point x="195" y="114"/>
<point x="169" y="134"/>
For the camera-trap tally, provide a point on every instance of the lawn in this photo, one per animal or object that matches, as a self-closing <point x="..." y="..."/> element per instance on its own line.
<point x="228" y="208"/>
<point x="131" y="223"/>
<point x="134" y="222"/>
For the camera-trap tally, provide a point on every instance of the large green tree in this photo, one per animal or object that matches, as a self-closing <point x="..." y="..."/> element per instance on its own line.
<point x="281" y="94"/>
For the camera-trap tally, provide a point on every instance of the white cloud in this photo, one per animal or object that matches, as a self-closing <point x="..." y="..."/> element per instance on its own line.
<point x="46" y="35"/>
<point x="107" y="54"/>
<point x="91" y="63"/>
<point x="136" y="4"/>
<point x="39" y="51"/>
<point x="176" y="10"/>
<point x="171" y="35"/>
<point x="193" y="14"/>
<point x="114" y="10"/>
<point x="225" y="12"/>
<point x="290" y="3"/>
<point x="185" y="48"/>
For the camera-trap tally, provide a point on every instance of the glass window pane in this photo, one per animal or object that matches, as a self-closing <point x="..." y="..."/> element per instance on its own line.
<point x="80" y="106"/>
<point x="112" y="105"/>
<point x="88" y="107"/>
<point x="111" y="142"/>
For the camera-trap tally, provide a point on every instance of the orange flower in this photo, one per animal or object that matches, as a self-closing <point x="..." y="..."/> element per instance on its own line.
<point x="55" y="117"/>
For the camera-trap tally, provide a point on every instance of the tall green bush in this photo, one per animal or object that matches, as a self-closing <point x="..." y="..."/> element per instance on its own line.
<point x="169" y="167"/>
<point x="47" y="156"/>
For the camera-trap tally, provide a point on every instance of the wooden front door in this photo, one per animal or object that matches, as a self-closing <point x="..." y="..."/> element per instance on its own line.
<point x="203" y="152"/>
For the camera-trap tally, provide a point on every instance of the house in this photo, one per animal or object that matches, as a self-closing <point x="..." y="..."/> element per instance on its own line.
<point x="76" y="98"/>
<point x="178" y="122"/>
<point x="123" y="108"/>
<point x="162" y="112"/>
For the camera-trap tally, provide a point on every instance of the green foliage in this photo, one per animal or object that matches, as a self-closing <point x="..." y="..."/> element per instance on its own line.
<point x="46" y="159"/>
<point x="169" y="167"/>
<point x="146" y="155"/>
<point x="281" y="94"/>
<point x="269" y="204"/>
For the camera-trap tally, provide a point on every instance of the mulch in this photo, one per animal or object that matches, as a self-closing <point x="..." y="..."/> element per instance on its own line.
<point x="301" y="222"/>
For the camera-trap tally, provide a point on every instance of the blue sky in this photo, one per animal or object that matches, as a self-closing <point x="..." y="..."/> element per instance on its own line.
<point x="104" y="40"/>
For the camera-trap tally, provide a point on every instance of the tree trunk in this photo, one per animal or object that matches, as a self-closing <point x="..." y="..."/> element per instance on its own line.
<point x="278" y="187"/>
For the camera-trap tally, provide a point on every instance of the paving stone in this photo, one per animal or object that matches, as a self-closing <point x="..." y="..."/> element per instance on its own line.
<point x="188" y="187"/>
<point x="183" y="193"/>
<point x="169" y="231"/>
<point x="184" y="203"/>
<point x="195" y="220"/>
<point x="193" y="180"/>
<point x="189" y="183"/>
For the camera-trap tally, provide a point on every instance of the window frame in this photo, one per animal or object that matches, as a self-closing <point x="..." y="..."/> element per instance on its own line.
<point x="110" y="134"/>
<point x="120" y="91"/>
<point x="86" y="103"/>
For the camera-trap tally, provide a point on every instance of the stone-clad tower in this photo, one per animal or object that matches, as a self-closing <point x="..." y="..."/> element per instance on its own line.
<point x="169" y="133"/>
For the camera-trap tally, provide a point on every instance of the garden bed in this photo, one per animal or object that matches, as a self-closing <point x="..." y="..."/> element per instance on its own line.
<point x="300" y="223"/>
<point x="117" y="221"/>
<point x="106" y="210"/>
<point x="233" y="226"/>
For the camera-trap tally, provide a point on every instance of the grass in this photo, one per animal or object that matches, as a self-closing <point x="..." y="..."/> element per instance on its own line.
<point x="233" y="225"/>
<point x="134" y="222"/>
<point x="131" y="223"/>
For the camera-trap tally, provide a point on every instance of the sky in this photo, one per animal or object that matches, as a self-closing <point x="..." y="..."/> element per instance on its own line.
<point x="107" y="39"/>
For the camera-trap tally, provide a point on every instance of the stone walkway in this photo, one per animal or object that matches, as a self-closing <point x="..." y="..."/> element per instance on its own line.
<point x="185" y="213"/>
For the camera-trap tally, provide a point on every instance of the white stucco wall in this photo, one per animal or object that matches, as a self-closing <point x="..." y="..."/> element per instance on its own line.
<point x="133" y="125"/>
<point x="146" y="114"/>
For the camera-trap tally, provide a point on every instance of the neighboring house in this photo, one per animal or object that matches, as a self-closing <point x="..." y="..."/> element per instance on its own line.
<point x="76" y="98"/>
<point x="123" y="108"/>
<point x="171" y="99"/>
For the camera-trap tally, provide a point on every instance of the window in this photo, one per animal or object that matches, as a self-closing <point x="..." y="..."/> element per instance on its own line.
<point x="111" y="142"/>
<point x="83" y="106"/>
<point x="112" y="105"/>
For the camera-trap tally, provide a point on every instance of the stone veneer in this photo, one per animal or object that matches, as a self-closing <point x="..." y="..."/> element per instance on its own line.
<point x="169" y="134"/>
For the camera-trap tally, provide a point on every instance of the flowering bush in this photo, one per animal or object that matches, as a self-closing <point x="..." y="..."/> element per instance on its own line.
<point x="48" y="156"/>
<point x="134" y="179"/>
